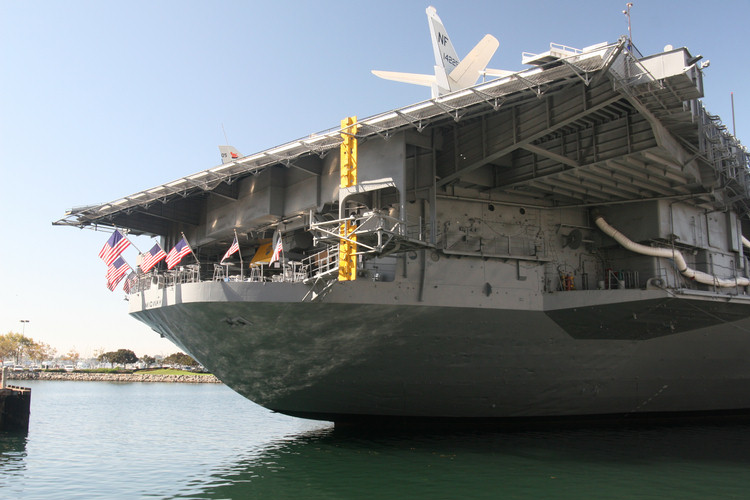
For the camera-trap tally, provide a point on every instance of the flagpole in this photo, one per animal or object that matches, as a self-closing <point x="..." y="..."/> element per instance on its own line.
<point x="242" y="266"/>
<point x="191" y="248"/>
<point x="124" y="234"/>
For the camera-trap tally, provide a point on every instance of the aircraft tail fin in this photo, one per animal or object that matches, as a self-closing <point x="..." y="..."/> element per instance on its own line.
<point x="445" y="54"/>
<point x="468" y="70"/>
<point x="451" y="74"/>
<point x="229" y="153"/>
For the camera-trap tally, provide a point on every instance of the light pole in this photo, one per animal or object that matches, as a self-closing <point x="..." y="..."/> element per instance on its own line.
<point x="24" y="321"/>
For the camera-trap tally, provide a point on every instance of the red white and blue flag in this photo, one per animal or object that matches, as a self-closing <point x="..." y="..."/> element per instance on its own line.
<point x="277" y="250"/>
<point x="234" y="248"/>
<point x="175" y="255"/>
<point x="151" y="258"/>
<point x="130" y="281"/>
<point x="113" y="247"/>
<point x="115" y="272"/>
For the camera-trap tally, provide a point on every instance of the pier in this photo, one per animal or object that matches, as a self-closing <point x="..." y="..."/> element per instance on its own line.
<point x="15" y="407"/>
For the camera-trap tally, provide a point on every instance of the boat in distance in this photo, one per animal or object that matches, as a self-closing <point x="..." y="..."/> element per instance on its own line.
<point x="562" y="241"/>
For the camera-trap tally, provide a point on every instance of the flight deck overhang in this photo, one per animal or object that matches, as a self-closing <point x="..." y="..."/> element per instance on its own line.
<point x="138" y="213"/>
<point x="613" y="85"/>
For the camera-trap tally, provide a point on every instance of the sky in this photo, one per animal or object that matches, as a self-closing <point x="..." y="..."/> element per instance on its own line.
<point x="99" y="100"/>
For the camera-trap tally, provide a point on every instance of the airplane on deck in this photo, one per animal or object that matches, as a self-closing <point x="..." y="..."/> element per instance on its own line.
<point x="451" y="73"/>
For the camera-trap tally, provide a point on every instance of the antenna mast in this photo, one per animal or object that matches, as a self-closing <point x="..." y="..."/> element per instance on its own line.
<point x="226" y="141"/>
<point x="630" y="32"/>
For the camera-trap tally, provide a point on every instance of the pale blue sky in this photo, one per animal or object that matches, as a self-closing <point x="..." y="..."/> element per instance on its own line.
<point x="103" y="99"/>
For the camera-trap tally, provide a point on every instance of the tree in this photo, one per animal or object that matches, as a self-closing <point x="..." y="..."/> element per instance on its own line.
<point x="180" y="358"/>
<point x="14" y="345"/>
<point x="148" y="360"/>
<point x="125" y="356"/>
<point x="72" y="356"/>
<point x="106" y="357"/>
<point x="6" y="347"/>
<point x="119" y="357"/>
<point x="18" y="346"/>
<point x="39" y="351"/>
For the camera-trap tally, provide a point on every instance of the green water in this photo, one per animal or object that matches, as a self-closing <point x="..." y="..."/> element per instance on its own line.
<point x="690" y="462"/>
<point x="104" y="440"/>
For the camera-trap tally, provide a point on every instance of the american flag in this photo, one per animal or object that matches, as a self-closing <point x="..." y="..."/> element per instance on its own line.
<point x="277" y="251"/>
<point x="152" y="257"/>
<point x="234" y="248"/>
<point x="113" y="247"/>
<point x="130" y="281"/>
<point x="115" y="272"/>
<point x="175" y="255"/>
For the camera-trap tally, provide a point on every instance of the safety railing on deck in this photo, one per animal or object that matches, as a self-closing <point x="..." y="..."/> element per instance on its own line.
<point x="728" y="156"/>
<point x="629" y="72"/>
<point x="162" y="279"/>
<point x="557" y="49"/>
<point x="375" y="231"/>
<point x="323" y="264"/>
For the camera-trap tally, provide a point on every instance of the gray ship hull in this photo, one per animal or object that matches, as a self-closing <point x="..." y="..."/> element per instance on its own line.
<point x="627" y="352"/>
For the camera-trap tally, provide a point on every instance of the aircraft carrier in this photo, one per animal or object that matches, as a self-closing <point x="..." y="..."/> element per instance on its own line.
<point x="564" y="241"/>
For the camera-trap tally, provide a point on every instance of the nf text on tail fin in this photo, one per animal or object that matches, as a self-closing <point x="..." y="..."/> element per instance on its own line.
<point x="229" y="153"/>
<point x="451" y="73"/>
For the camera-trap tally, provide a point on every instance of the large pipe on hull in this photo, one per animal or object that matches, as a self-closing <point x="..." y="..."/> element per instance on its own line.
<point x="669" y="253"/>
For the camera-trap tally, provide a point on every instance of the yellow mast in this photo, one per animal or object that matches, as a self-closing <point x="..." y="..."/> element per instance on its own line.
<point x="348" y="242"/>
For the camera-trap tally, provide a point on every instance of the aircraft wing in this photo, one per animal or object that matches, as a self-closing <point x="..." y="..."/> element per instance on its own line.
<point x="468" y="70"/>
<point x="500" y="73"/>
<point x="414" y="78"/>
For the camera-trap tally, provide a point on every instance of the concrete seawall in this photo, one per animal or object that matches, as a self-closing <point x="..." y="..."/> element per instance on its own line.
<point x="115" y="377"/>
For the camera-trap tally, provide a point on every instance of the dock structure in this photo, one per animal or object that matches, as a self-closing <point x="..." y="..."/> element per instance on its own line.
<point x="15" y="407"/>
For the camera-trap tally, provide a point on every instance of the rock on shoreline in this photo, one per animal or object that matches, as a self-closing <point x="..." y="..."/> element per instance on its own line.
<point x="114" y="377"/>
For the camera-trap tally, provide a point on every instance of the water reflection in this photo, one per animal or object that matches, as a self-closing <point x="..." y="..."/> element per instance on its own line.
<point x="695" y="461"/>
<point x="12" y="455"/>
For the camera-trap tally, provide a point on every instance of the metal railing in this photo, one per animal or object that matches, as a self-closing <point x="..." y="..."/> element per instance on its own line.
<point x="629" y="72"/>
<point x="553" y="47"/>
<point x="322" y="264"/>
<point x="621" y="279"/>
<point x="728" y="156"/>
<point x="288" y="272"/>
<point x="375" y="231"/>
